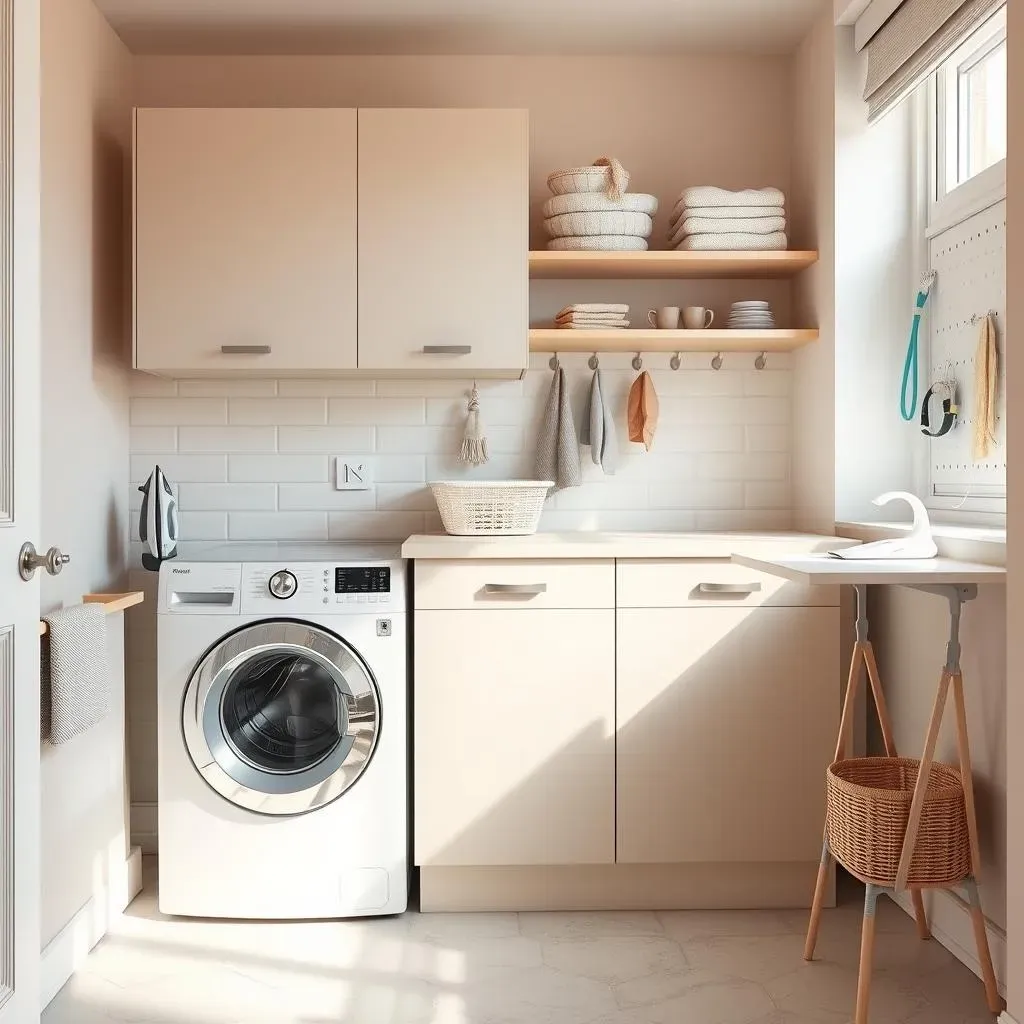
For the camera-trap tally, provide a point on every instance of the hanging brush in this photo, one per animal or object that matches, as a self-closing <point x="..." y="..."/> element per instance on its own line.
<point x="474" y="443"/>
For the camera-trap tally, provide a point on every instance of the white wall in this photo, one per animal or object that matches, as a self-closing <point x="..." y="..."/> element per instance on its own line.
<point x="86" y="98"/>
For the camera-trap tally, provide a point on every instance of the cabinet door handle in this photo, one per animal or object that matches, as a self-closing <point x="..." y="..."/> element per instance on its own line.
<point x="245" y="350"/>
<point x="730" y="588"/>
<point x="516" y="589"/>
<point x="447" y="350"/>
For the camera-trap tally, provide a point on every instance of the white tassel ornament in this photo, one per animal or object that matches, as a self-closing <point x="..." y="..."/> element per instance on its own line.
<point x="474" y="443"/>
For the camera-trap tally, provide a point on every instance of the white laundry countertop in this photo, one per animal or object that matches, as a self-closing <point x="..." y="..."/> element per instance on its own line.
<point x="618" y="545"/>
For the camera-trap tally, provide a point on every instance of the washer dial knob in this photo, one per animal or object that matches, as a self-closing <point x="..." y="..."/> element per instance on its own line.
<point x="283" y="584"/>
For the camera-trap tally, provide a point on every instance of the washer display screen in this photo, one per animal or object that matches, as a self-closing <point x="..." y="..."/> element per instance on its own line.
<point x="363" y="580"/>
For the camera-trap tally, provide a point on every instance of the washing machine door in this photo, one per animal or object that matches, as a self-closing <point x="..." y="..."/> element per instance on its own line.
<point x="281" y="717"/>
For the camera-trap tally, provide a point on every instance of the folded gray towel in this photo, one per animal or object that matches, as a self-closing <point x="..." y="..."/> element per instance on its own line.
<point x="722" y="226"/>
<point x="74" y="672"/>
<point x="558" y="453"/>
<point x="599" y="429"/>
<point x="738" y="241"/>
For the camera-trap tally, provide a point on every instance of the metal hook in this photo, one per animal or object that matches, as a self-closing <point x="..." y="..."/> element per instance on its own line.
<point x="716" y="362"/>
<point x="638" y="363"/>
<point x="761" y="361"/>
<point x="977" y="317"/>
<point x="593" y="362"/>
<point x="675" y="362"/>
<point x="553" y="361"/>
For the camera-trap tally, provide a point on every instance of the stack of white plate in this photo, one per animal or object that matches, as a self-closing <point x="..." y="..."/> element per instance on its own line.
<point x="752" y="315"/>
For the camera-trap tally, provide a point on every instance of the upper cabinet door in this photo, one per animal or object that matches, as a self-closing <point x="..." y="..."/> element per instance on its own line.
<point x="443" y="240"/>
<point x="245" y="240"/>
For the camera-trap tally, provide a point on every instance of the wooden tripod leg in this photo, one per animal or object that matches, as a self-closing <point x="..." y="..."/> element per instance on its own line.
<point x="923" y="931"/>
<point x="879" y="695"/>
<point x="852" y="683"/>
<point x="966" y="774"/>
<point x="819" y="901"/>
<point x="988" y="974"/>
<point x="923" y="774"/>
<point x="867" y="953"/>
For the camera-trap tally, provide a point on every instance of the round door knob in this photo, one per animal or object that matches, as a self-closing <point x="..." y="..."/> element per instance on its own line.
<point x="29" y="560"/>
<point x="283" y="584"/>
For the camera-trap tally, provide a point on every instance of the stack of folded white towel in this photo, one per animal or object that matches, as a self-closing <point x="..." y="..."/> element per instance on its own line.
<point x="706" y="217"/>
<point x="593" y="316"/>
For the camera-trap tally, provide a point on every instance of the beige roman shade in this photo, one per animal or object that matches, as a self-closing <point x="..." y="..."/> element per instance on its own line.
<point x="911" y="43"/>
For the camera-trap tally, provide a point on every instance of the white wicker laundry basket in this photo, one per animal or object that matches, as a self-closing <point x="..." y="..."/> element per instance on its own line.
<point x="607" y="175"/>
<point x="612" y="222"/>
<point x="599" y="243"/>
<point x="510" y="507"/>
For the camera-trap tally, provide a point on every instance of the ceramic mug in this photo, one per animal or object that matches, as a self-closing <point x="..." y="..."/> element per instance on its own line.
<point x="697" y="318"/>
<point x="666" y="318"/>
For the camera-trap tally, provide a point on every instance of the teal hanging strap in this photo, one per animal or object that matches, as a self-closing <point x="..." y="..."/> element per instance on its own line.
<point x="910" y="372"/>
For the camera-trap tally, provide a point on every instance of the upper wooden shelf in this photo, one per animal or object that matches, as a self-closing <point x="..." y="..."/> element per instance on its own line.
<point x="544" y="339"/>
<point x="111" y="603"/>
<point x="547" y="265"/>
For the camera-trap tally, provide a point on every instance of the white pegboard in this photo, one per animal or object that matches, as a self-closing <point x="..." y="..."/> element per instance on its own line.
<point x="970" y="265"/>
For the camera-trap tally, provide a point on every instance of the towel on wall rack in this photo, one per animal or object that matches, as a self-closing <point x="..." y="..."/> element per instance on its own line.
<point x="74" y="673"/>
<point x="558" y="451"/>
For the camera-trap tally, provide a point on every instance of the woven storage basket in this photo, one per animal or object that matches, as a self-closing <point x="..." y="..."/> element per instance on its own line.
<point x="868" y="806"/>
<point x="595" y="202"/>
<point x="510" y="507"/>
<point x="618" y="222"/>
<point x="607" y="176"/>
<point x="606" y="243"/>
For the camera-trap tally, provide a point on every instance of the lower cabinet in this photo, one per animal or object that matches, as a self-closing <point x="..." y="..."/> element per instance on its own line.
<point x="726" y="720"/>
<point x="514" y="748"/>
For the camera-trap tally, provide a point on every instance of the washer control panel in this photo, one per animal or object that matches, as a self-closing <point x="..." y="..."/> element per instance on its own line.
<point x="305" y="588"/>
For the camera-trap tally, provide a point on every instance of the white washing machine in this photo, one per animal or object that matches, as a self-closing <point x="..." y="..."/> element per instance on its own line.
<point x="282" y="701"/>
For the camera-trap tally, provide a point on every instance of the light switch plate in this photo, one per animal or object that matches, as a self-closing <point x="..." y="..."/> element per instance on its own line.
<point x="353" y="473"/>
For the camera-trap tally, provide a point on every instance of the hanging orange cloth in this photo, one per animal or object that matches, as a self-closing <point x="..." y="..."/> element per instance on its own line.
<point x="642" y="410"/>
<point x="986" y="378"/>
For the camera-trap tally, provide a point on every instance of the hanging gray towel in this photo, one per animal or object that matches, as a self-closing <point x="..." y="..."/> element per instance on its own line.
<point x="599" y="429"/>
<point x="558" y="452"/>
<point x="74" y="672"/>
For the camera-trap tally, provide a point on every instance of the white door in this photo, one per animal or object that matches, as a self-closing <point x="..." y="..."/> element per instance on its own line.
<point x="19" y="510"/>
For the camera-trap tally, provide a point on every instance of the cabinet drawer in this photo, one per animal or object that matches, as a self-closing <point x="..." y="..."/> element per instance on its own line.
<point x="711" y="583"/>
<point x="507" y="584"/>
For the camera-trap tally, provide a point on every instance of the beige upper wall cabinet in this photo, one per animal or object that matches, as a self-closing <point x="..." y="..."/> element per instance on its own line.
<point x="245" y="240"/>
<point x="443" y="240"/>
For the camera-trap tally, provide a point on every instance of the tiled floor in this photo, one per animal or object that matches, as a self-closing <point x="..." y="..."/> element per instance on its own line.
<point x="610" y="968"/>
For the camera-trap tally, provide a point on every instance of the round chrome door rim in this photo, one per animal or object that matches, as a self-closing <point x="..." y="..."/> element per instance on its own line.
<point x="237" y="778"/>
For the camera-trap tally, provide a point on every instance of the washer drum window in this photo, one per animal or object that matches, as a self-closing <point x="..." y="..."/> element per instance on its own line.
<point x="281" y="717"/>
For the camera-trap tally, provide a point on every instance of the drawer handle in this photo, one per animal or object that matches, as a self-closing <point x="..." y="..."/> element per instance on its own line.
<point x="730" y="588"/>
<point x="245" y="350"/>
<point x="516" y="589"/>
<point x="447" y="350"/>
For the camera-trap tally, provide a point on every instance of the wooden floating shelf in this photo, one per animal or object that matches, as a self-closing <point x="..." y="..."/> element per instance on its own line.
<point x="111" y="603"/>
<point x="545" y="339"/>
<point x="548" y="264"/>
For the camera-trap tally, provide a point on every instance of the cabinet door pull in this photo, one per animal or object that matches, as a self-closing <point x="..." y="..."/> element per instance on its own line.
<point x="447" y="350"/>
<point x="516" y="589"/>
<point x="245" y="350"/>
<point x="730" y="588"/>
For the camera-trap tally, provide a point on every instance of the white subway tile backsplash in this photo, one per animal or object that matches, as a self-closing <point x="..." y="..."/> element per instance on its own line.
<point x="324" y="496"/>
<point x="342" y="440"/>
<point x="278" y="468"/>
<point x="153" y="439"/>
<point x="178" y="411"/>
<point x="277" y="526"/>
<point x="208" y="497"/>
<point x="371" y="526"/>
<point x="325" y="388"/>
<point x="254" y="459"/>
<point x="226" y="439"/>
<point x="242" y="387"/>
<point x="180" y="468"/>
<point x="278" y="411"/>
<point x="377" y="411"/>
<point x="147" y="385"/>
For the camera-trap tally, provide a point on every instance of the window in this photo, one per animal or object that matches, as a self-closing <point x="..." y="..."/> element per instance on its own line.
<point x="963" y="137"/>
<point x="970" y="115"/>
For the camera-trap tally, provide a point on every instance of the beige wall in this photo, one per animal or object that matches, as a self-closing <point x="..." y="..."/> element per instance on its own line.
<point x="86" y="97"/>
<point x="672" y="121"/>
<point x="1015" y="516"/>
